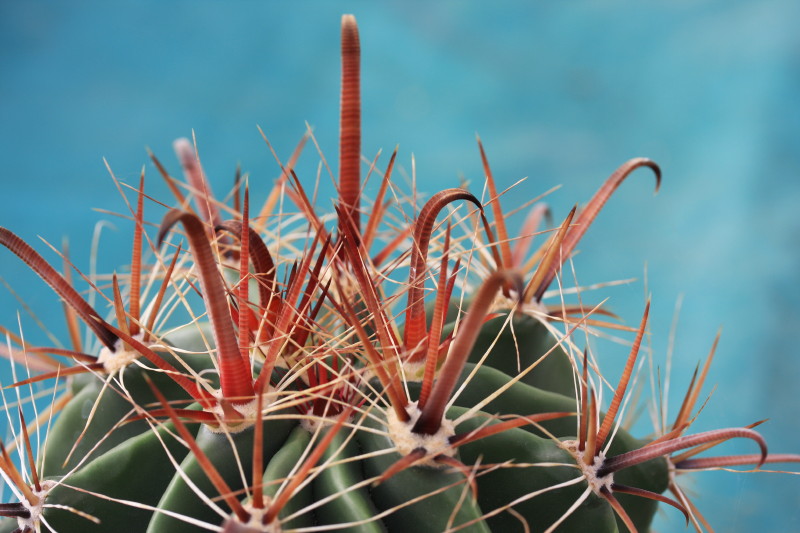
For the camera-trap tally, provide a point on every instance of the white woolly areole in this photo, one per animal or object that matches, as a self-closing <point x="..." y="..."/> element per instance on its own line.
<point x="407" y="441"/>
<point x="120" y="358"/>
<point x="590" y="470"/>
<point x="232" y="525"/>
<point x="248" y="411"/>
<point x="413" y="371"/>
<point x="533" y="308"/>
<point x="32" y="522"/>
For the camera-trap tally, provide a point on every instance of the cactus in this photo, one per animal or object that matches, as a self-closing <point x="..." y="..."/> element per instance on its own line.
<point x="286" y="372"/>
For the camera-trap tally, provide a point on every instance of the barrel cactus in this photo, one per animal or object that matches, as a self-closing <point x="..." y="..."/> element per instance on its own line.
<point x="286" y="370"/>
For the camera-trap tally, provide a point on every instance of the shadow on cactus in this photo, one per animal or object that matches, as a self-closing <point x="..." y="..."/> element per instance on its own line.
<point x="292" y="371"/>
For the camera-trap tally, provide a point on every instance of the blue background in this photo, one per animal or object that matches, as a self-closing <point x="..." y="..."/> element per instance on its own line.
<point x="560" y="94"/>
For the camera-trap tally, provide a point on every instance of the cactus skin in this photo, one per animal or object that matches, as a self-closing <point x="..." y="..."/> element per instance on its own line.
<point x="318" y="452"/>
<point x="507" y="485"/>
<point x="529" y="338"/>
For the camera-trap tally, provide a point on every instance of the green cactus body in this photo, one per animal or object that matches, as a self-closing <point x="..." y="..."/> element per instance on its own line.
<point x="104" y="408"/>
<point x="516" y="344"/>
<point x="231" y="454"/>
<point x="142" y="457"/>
<point x="431" y="490"/>
<point x="342" y="485"/>
<point x="279" y="469"/>
<point x="528" y="337"/>
<point x="133" y="471"/>
<point x="481" y="383"/>
<point x="536" y="473"/>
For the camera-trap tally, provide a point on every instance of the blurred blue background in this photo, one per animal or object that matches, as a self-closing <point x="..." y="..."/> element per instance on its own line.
<point x="560" y="94"/>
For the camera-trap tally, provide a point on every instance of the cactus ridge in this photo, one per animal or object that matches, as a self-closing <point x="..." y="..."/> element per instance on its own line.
<point x="280" y="375"/>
